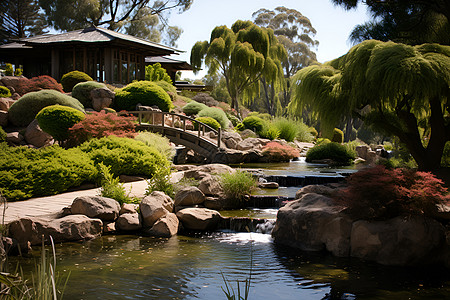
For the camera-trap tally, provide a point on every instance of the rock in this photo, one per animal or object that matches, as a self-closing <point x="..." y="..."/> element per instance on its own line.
<point x="103" y="208"/>
<point x="3" y="118"/>
<point x="231" y="139"/>
<point x="199" y="218"/>
<point x="129" y="222"/>
<point x="247" y="133"/>
<point x="14" y="138"/>
<point x="35" y="136"/>
<point x="268" y="185"/>
<point x="366" y="153"/>
<point x="313" y="223"/>
<point x="101" y="98"/>
<point x="167" y="226"/>
<point x="109" y="228"/>
<point x="205" y="99"/>
<point x="252" y="143"/>
<point x="399" y="241"/>
<point x="128" y="208"/>
<point x="210" y="185"/>
<point x="154" y="207"/>
<point x="232" y="156"/>
<point x="69" y="228"/>
<point x="215" y="169"/>
<point x="15" y="96"/>
<point x="314" y="188"/>
<point x="214" y="203"/>
<point x="4" y="104"/>
<point x="189" y="196"/>
<point x="13" y="83"/>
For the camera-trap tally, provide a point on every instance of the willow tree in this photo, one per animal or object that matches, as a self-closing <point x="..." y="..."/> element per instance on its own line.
<point x="399" y="89"/>
<point x="243" y="54"/>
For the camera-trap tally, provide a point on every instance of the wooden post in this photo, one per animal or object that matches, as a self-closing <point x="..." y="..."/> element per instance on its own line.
<point x="219" y="137"/>
<point x="140" y="118"/>
<point x="173" y="121"/>
<point x="199" y="129"/>
<point x="162" y="119"/>
<point x="184" y="124"/>
<point x="153" y="118"/>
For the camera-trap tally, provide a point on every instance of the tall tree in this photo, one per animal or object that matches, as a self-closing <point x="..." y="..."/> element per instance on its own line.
<point x="117" y="15"/>
<point x="400" y="89"/>
<point x="296" y="33"/>
<point x="19" y="19"/>
<point x="243" y="54"/>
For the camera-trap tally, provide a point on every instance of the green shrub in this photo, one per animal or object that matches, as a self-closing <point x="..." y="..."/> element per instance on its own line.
<point x="168" y="87"/>
<point x="240" y="127"/>
<point x="144" y="92"/>
<point x="208" y="121"/>
<point x="193" y="108"/>
<point x="313" y="132"/>
<point x="254" y="123"/>
<point x="24" y="110"/>
<point x="2" y="135"/>
<point x="304" y="133"/>
<point x="18" y="72"/>
<point x="69" y="80"/>
<point x="157" y="73"/>
<point x="9" y="71"/>
<point x="4" y="92"/>
<point x="82" y="91"/>
<point x="336" y="152"/>
<point x="234" y="120"/>
<point x="270" y="131"/>
<point x="26" y="172"/>
<point x="124" y="156"/>
<point x="57" y="119"/>
<point x="236" y="185"/>
<point x="217" y="114"/>
<point x="288" y="129"/>
<point x="161" y="143"/>
<point x="161" y="181"/>
<point x="111" y="187"/>
<point x="338" y="136"/>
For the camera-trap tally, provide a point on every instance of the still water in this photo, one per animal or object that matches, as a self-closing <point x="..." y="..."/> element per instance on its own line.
<point x="132" y="267"/>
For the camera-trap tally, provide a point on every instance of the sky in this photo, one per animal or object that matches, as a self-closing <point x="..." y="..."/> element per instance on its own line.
<point x="333" y="23"/>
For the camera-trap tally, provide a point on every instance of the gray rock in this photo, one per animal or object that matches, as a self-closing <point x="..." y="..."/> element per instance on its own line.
<point x="231" y="139"/>
<point x="252" y="143"/>
<point x="210" y="186"/>
<point x="103" y="208"/>
<point x="167" y="226"/>
<point x="69" y="228"/>
<point x="101" y="98"/>
<point x="188" y="196"/>
<point x="14" y="138"/>
<point x="129" y="222"/>
<point x="314" y="188"/>
<point x="35" y="136"/>
<point x="128" y="208"/>
<point x="268" y="185"/>
<point x="154" y="207"/>
<point x="199" y="218"/>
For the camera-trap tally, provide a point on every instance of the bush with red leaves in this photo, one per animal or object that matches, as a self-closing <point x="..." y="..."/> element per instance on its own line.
<point x="35" y="84"/>
<point x="379" y="193"/>
<point x="277" y="152"/>
<point x="101" y="124"/>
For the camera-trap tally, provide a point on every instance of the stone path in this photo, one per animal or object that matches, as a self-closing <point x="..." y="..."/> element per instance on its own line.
<point x="51" y="204"/>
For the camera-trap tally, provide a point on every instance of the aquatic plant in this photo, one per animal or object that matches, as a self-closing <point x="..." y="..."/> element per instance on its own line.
<point x="237" y="185"/>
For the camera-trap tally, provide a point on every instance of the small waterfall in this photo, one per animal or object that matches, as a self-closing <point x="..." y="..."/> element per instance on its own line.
<point x="287" y="181"/>
<point x="242" y="224"/>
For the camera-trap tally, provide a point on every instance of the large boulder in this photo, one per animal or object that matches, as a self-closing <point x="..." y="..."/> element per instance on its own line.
<point x="101" y="98"/>
<point x="154" y="207"/>
<point x="231" y="139"/>
<point x="313" y="223"/>
<point x="14" y="138"/>
<point x="129" y="222"/>
<point x="68" y="228"/>
<point x="12" y="81"/>
<point x="316" y="189"/>
<point x="199" y="218"/>
<point x="167" y="226"/>
<point x="252" y="143"/>
<point x="4" y="104"/>
<point x="35" y="136"/>
<point x="210" y="185"/>
<point x="399" y="241"/>
<point x="189" y="196"/>
<point x="103" y="208"/>
<point x="232" y="156"/>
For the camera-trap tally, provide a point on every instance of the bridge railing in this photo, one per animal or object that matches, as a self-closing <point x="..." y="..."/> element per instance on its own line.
<point x="158" y="119"/>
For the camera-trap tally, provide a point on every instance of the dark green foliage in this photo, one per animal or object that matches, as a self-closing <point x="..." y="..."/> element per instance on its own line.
<point x="217" y="114"/>
<point x="338" y="153"/>
<point x="18" y="72"/>
<point x="445" y="161"/>
<point x="338" y="136"/>
<point x="24" y="110"/>
<point x="82" y="90"/>
<point x="156" y="73"/>
<point x="193" y="108"/>
<point x="26" y="172"/>
<point x="4" y="92"/>
<point x="253" y="123"/>
<point x="161" y="181"/>
<point x="270" y="131"/>
<point x="288" y="129"/>
<point x="233" y="119"/>
<point x="208" y="121"/>
<point x="9" y="70"/>
<point x="2" y="135"/>
<point x="168" y="87"/>
<point x="57" y="119"/>
<point x="144" y="92"/>
<point x="111" y="186"/>
<point x="240" y="127"/>
<point x="69" y="80"/>
<point x="124" y="156"/>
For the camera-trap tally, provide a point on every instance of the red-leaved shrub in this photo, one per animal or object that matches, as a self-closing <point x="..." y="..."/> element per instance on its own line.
<point x="36" y="84"/>
<point x="101" y="124"/>
<point x="380" y="193"/>
<point x="277" y="152"/>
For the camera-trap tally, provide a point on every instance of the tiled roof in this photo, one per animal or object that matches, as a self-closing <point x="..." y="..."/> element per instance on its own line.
<point x="182" y="65"/>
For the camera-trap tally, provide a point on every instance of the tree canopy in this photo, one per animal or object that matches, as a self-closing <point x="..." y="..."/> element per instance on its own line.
<point x="243" y="54"/>
<point x="400" y="89"/>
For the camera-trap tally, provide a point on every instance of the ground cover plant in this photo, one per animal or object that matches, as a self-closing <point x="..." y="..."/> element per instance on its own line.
<point x="144" y="92"/>
<point x="382" y="193"/>
<point x="339" y="154"/>
<point x="277" y="152"/>
<point x="69" y="80"/>
<point x="57" y="119"/>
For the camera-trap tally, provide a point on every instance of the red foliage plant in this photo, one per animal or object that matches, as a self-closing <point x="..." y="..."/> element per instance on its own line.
<point x="277" y="152"/>
<point x="35" y="84"/>
<point x="380" y="193"/>
<point x="101" y="124"/>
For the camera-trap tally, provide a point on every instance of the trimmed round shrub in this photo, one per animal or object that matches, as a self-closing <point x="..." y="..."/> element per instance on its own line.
<point x="193" y="108"/>
<point x="69" y="80"/>
<point x="2" y="135"/>
<point x="168" y="87"/>
<point x="208" y="121"/>
<point x="338" y="153"/>
<point x="125" y="156"/>
<point x="254" y="123"/>
<point x="57" y="119"/>
<point x="217" y="114"/>
<point x="338" y="136"/>
<point x="4" y="92"/>
<point x="144" y="92"/>
<point x="24" y="110"/>
<point x="82" y="91"/>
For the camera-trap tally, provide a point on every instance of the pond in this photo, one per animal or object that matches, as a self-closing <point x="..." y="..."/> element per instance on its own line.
<point x="182" y="267"/>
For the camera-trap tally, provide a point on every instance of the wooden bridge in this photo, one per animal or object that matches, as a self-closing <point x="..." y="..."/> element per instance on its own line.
<point x="175" y="128"/>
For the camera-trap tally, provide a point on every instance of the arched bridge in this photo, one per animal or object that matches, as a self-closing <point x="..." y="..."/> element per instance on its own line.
<point x="179" y="130"/>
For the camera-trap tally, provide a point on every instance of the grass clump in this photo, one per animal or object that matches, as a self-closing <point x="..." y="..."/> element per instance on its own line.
<point x="288" y="129"/>
<point x="338" y="153"/>
<point x="237" y="185"/>
<point x="161" y="143"/>
<point x="161" y="181"/>
<point x="111" y="187"/>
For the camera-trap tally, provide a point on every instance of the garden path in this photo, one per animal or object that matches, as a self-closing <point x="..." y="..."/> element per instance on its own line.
<point x="52" y="204"/>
